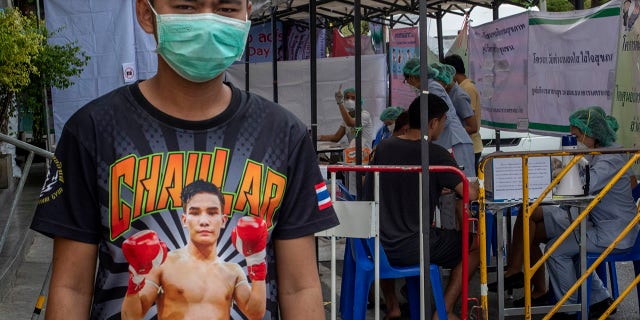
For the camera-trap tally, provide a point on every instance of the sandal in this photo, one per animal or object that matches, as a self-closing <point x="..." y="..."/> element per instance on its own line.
<point x="515" y="281"/>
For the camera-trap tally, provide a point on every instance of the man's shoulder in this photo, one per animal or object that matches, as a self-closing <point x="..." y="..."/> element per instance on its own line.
<point x="438" y="150"/>
<point x="257" y="103"/>
<point x="468" y="86"/>
<point x="393" y="144"/>
<point x="110" y="103"/>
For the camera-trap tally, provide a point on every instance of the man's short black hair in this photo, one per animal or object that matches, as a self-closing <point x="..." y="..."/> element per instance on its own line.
<point x="200" y="186"/>
<point x="455" y="61"/>
<point x="401" y="121"/>
<point x="437" y="108"/>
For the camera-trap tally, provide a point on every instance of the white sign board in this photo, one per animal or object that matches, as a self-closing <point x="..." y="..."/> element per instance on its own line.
<point x="507" y="178"/>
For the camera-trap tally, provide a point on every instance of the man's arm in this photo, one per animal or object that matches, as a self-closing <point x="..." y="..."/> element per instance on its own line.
<point x="250" y="239"/>
<point x="346" y="117"/>
<point x="298" y="282"/>
<point x="72" y="278"/>
<point x="136" y="305"/>
<point x="145" y="253"/>
<point x="470" y="124"/>
<point x="333" y="137"/>
<point x="250" y="298"/>
<point x="473" y="190"/>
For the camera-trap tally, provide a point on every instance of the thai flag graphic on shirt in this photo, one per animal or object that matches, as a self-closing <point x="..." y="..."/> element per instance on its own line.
<point x="324" y="200"/>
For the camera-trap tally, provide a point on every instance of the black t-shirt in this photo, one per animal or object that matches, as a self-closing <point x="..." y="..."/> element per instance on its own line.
<point x="120" y="166"/>
<point x="399" y="196"/>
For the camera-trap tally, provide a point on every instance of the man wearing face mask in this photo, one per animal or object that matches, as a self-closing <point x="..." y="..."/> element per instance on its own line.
<point x="593" y="129"/>
<point x="388" y="117"/>
<point x="454" y="137"/>
<point x="346" y="101"/>
<point x="123" y="160"/>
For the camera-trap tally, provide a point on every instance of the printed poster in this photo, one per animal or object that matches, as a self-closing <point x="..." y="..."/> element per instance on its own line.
<point x="498" y="66"/>
<point x="403" y="45"/>
<point x="626" y="93"/>
<point x="570" y="68"/>
<point x="345" y="46"/>
<point x="299" y="43"/>
<point x="260" y="43"/>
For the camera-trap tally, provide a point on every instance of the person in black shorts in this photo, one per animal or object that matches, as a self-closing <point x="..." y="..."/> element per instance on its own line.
<point x="399" y="205"/>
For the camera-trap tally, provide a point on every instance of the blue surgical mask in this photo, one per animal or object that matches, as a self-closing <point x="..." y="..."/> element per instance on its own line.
<point x="200" y="46"/>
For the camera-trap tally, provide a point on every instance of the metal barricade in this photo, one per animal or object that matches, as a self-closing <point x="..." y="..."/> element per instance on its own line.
<point x="14" y="204"/>
<point x="527" y="210"/>
<point x="372" y="227"/>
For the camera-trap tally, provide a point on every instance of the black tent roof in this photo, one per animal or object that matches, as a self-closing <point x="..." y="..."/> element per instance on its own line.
<point x="388" y="12"/>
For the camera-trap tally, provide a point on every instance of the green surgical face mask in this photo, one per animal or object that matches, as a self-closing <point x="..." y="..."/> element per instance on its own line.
<point x="200" y="46"/>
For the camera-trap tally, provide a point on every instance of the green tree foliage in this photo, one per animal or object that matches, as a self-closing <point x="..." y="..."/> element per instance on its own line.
<point x="20" y="42"/>
<point x="559" y="5"/>
<point x="57" y="65"/>
<point x="29" y="65"/>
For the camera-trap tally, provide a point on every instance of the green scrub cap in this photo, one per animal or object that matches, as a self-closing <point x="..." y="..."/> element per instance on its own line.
<point x="445" y="72"/>
<point x="352" y="90"/>
<point x="391" y="113"/>
<point x="412" y="67"/>
<point x="595" y="123"/>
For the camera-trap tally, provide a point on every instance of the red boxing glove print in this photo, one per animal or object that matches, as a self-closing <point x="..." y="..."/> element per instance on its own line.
<point x="143" y="250"/>
<point x="250" y="238"/>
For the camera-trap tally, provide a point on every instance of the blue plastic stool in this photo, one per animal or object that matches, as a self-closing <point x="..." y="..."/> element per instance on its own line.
<point x="633" y="254"/>
<point x="358" y="275"/>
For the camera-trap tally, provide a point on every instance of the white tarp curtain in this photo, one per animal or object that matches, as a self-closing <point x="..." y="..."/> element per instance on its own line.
<point x="108" y="32"/>
<point x="294" y="83"/>
<point x="534" y="69"/>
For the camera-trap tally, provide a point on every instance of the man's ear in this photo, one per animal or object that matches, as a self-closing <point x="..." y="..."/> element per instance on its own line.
<point x="433" y="124"/>
<point x="145" y="16"/>
<point x="225" y="219"/>
<point x="249" y="7"/>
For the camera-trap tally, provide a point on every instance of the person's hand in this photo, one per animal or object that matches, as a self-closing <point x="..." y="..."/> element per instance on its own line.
<point x="556" y="167"/>
<point x="250" y="238"/>
<point x="339" y="97"/>
<point x="143" y="250"/>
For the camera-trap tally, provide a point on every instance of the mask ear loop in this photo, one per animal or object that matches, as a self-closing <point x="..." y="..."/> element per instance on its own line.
<point x="152" y="8"/>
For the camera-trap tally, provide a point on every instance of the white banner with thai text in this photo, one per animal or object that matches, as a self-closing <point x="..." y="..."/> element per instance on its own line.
<point x="497" y="65"/>
<point x="572" y="60"/>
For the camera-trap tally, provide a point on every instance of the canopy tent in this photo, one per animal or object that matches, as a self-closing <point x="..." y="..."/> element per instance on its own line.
<point x="389" y="12"/>
<point x="109" y="33"/>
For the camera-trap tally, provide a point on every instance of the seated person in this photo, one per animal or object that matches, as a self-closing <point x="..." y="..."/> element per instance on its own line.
<point x="594" y="129"/>
<point x="399" y="205"/>
<point x="388" y="117"/>
<point x="401" y="125"/>
<point x="346" y="101"/>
